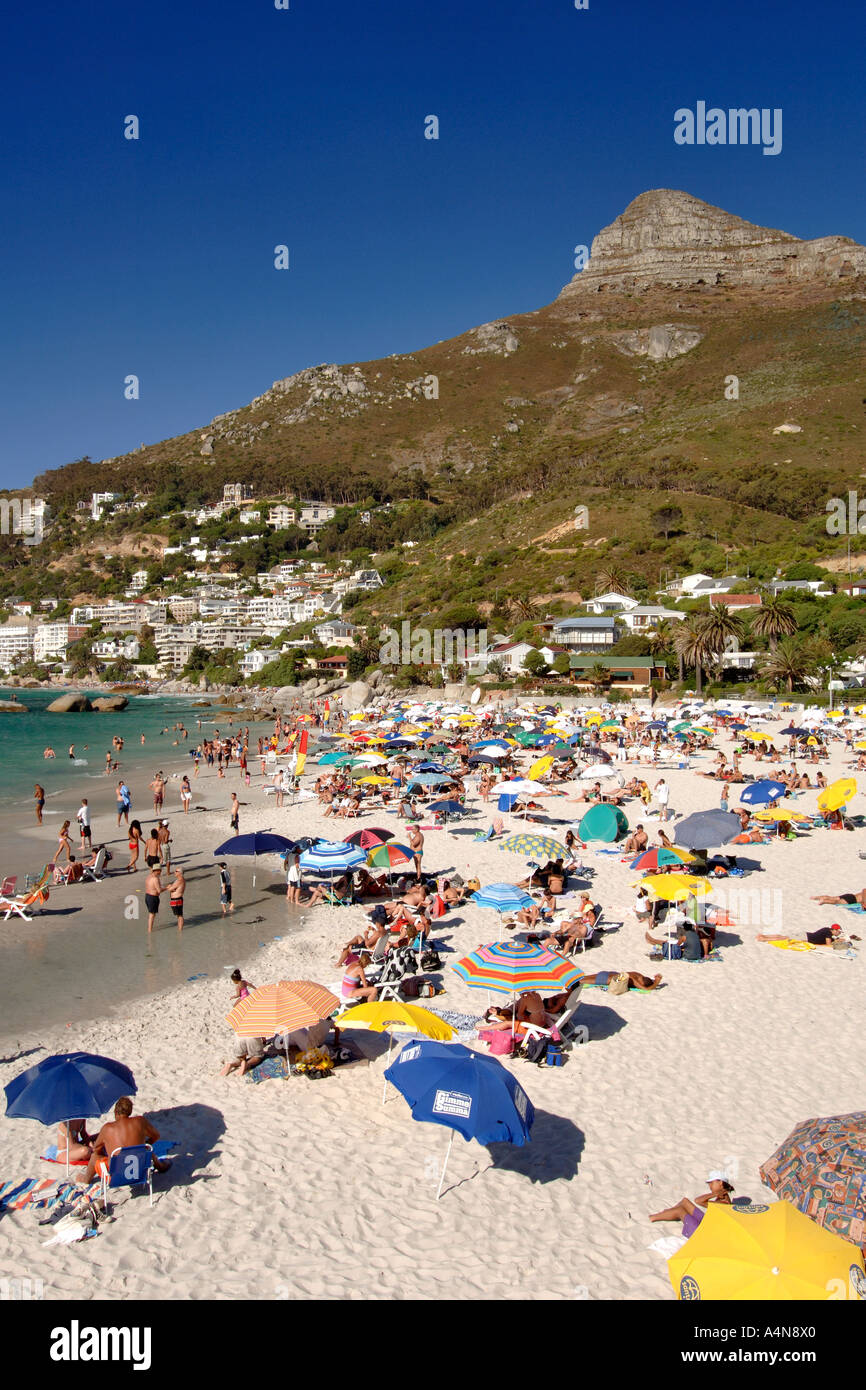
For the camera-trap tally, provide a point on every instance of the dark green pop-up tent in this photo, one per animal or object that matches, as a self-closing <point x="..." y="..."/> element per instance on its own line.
<point x="603" y="822"/>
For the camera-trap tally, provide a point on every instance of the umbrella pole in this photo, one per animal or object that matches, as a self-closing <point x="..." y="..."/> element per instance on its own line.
<point x="387" y="1064"/>
<point x="445" y="1165"/>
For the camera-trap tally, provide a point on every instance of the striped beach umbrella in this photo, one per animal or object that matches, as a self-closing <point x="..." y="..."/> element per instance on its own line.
<point x="501" y="897"/>
<point x="368" y="838"/>
<point x="510" y="967"/>
<point x="390" y="856"/>
<point x="328" y="857"/>
<point x="653" y="859"/>
<point x="282" y="1008"/>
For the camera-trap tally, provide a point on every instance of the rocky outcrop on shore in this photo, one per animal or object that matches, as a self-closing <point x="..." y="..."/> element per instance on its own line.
<point x="77" y="703"/>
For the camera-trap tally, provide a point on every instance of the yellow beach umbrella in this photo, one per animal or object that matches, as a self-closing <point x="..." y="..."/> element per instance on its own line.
<point x="766" y="1253"/>
<point x="835" y="714"/>
<point x="373" y="781"/>
<point x="540" y="767"/>
<point x="594" y="718"/>
<point x="673" y="887"/>
<point x="393" y="1016"/>
<point x="754" y="735"/>
<point x="838" y="794"/>
<point x="781" y="813"/>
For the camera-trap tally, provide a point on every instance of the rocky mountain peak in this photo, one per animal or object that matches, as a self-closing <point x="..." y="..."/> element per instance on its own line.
<point x="667" y="237"/>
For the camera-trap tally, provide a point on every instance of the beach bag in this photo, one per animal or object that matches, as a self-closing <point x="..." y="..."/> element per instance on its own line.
<point x="416" y="987"/>
<point x="554" y="1057"/>
<point x="431" y="960"/>
<point x="500" y="1042"/>
<point x="473" y="885"/>
<point x="535" y="1050"/>
<point x="439" y="907"/>
<point x="619" y="984"/>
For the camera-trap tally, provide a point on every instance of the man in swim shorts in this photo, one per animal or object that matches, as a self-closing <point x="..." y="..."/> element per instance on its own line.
<point x="124" y="1131"/>
<point x="175" y="896"/>
<point x="152" y="889"/>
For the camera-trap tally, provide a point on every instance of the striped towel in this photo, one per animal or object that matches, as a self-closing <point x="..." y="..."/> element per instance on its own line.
<point x="41" y="1192"/>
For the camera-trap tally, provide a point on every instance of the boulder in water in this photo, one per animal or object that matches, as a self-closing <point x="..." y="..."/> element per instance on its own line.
<point x="67" y="704"/>
<point x="107" y="703"/>
<point x="11" y="707"/>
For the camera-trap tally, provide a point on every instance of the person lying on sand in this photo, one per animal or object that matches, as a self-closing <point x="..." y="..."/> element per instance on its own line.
<point x="821" y="936"/>
<point x="692" y="1213"/>
<point x="601" y="979"/>
<point x="827" y="900"/>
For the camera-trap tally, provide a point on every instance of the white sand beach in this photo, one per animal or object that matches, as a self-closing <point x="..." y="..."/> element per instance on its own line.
<point x="291" y="1190"/>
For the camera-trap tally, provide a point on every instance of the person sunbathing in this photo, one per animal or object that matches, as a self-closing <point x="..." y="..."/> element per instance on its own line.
<point x="124" y="1131"/>
<point x="602" y="978"/>
<point x="452" y="895"/>
<point x="692" y="1213"/>
<point x="821" y="936"/>
<point x="827" y="899"/>
<point x="541" y="910"/>
<point x="637" y="841"/>
<point x="74" y="1134"/>
<point x="365" y="940"/>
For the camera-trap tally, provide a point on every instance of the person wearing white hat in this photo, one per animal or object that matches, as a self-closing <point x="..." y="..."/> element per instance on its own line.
<point x="691" y="1213"/>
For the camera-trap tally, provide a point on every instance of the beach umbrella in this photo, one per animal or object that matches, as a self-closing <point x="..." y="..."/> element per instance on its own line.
<point x="391" y="856"/>
<point x="252" y="845"/>
<point x="366" y="839"/>
<point x="372" y="780"/>
<point x="838" y="794"/>
<point x="430" y="767"/>
<point x="540" y="846"/>
<point x="330" y="758"/>
<point x="821" y="1169"/>
<point x="281" y="1008"/>
<point x="447" y="808"/>
<point x="449" y="1084"/>
<point x="674" y="887"/>
<point x="428" y="779"/>
<point x="329" y="857"/>
<point x="758" y="793"/>
<point x="707" y="829"/>
<point x="68" y="1086"/>
<point x="393" y="1016"/>
<point x="501" y="897"/>
<point x="519" y="786"/>
<point x="511" y="967"/>
<point x="598" y="771"/>
<point x="781" y="813"/>
<point x="764" y="1253"/>
<point x="652" y="859"/>
<point x="540" y="766"/>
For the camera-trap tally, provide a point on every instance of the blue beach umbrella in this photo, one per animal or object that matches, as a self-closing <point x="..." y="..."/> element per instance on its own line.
<point x="449" y="1084"/>
<point x="501" y="897"/>
<point x="252" y="845"/>
<point x="330" y="857"/>
<point x="428" y="779"/>
<point x="69" y="1086"/>
<point x="447" y="808"/>
<point x="759" y="793"/>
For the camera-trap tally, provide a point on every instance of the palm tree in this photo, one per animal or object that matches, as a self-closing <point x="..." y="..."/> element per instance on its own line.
<point x="612" y="580"/>
<point x="774" y="619"/>
<point x="523" y="609"/>
<point x="720" y="626"/>
<point x="660" y="638"/>
<point x="789" y="665"/>
<point x="598" y="676"/>
<point x="692" y="647"/>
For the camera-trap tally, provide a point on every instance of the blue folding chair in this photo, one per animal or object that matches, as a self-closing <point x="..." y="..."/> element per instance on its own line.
<point x="129" y="1167"/>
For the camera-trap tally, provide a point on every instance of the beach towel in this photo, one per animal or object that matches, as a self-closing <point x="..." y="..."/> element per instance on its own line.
<point x="41" y="1192"/>
<point x="853" y="907"/>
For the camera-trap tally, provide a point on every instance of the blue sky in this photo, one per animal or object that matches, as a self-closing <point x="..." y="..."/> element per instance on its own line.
<point x="306" y="127"/>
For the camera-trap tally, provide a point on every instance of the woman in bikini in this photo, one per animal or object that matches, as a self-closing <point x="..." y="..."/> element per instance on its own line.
<point x="64" y="844"/>
<point x="134" y="846"/>
<point x="691" y="1213"/>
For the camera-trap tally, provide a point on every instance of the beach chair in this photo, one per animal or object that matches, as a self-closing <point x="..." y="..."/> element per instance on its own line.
<point x="129" y="1167"/>
<point x="36" y="898"/>
<point x="570" y="1032"/>
<point x="93" y="873"/>
<point x="7" y="888"/>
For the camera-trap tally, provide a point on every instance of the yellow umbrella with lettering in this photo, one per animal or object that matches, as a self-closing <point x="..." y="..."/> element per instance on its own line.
<point x="839" y="793"/>
<point x="768" y="1253"/>
<point x="673" y="887"/>
<point x="540" y="767"/>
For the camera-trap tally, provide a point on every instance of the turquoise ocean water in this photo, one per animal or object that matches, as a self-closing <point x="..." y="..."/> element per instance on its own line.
<point x="23" y="737"/>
